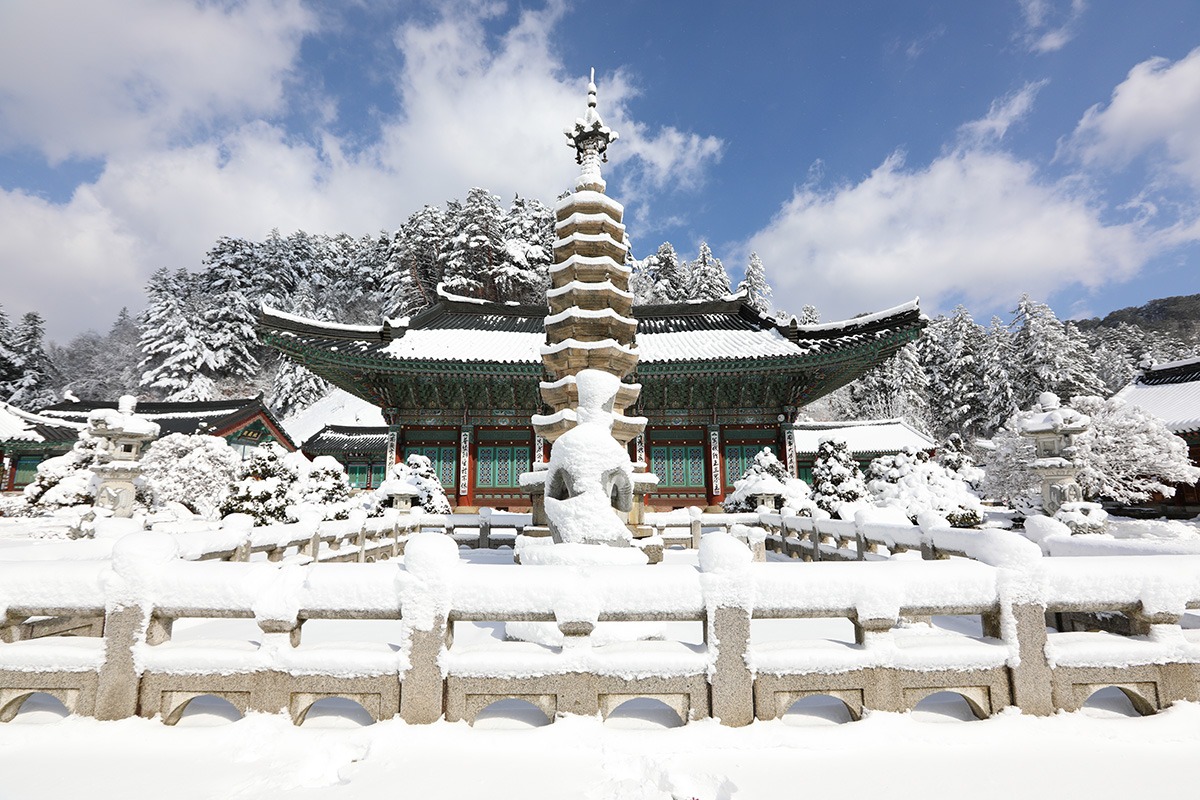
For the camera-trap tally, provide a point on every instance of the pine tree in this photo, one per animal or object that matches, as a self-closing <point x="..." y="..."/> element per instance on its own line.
<point x="998" y="398"/>
<point x="1050" y="356"/>
<point x="951" y="350"/>
<point x="836" y="477"/>
<point x="230" y="319"/>
<point x="34" y="386"/>
<point x="896" y="389"/>
<point x="529" y="242"/>
<point x="415" y="265"/>
<point x="262" y="486"/>
<point x="8" y="366"/>
<point x="476" y="248"/>
<point x="177" y="361"/>
<point x="668" y="281"/>
<point x="758" y="291"/>
<point x="809" y="315"/>
<point x="295" y="386"/>
<point x="275" y="275"/>
<point x="707" y="279"/>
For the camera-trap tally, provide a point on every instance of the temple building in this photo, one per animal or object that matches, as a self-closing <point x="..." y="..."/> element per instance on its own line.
<point x="459" y="381"/>
<point x="1171" y="392"/>
<point x="28" y="439"/>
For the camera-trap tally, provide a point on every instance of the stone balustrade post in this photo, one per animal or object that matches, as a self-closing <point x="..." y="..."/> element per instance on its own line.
<point x="1032" y="677"/>
<point x="117" y="687"/>
<point x="732" y="684"/>
<point x="158" y="629"/>
<point x="277" y="629"/>
<point x="697" y="532"/>
<point x="485" y="528"/>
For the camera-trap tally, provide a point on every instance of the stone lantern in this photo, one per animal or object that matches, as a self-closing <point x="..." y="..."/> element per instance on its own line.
<point x="123" y="434"/>
<point x="1053" y="428"/>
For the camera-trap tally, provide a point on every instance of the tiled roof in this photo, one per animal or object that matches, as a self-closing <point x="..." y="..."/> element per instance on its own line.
<point x="344" y="439"/>
<point x="172" y="417"/>
<point x="862" y="436"/>
<point x="726" y="329"/>
<point x="18" y="425"/>
<point x="1170" y="392"/>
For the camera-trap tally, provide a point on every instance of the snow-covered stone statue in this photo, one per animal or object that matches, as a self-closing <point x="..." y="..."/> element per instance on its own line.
<point x="1053" y="428"/>
<point x="118" y="465"/>
<point x="590" y="493"/>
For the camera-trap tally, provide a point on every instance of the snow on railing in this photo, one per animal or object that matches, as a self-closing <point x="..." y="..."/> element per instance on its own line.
<point x="137" y="667"/>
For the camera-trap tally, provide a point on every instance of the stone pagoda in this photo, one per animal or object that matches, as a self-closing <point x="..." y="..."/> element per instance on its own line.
<point x="590" y="348"/>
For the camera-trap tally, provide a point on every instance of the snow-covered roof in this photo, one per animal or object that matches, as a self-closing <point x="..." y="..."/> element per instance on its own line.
<point x="1170" y="392"/>
<point x="336" y="408"/>
<point x="202" y="416"/>
<point x="18" y="425"/>
<point x="450" y="330"/>
<point x="861" y="436"/>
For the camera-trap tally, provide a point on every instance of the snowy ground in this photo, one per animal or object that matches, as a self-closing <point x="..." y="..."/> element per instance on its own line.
<point x="1104" y="751"/>
<point x="1095" y="753"/>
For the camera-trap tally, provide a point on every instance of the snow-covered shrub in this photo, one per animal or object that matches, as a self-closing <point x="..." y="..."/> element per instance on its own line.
<point x="65" y="480"/>
<point x="766" y="475"/>
<point x="1127" y="455"/>
<point x="324" y="487"/>
<point x="417" y="472"/>
<point x="954" y="456"/>
<point x="194" y="471"/>
<point x="836" y="476"/>
<point x="261" y="486"/>
<point x="913" y="482"/>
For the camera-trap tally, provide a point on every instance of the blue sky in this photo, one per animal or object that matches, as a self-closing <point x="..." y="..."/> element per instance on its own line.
<point x="869" y="152"/>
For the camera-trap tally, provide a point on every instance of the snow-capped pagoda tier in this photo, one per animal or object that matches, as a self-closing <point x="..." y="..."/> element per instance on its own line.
<point x="591" y="323"/>
<point x="459" y="380"/>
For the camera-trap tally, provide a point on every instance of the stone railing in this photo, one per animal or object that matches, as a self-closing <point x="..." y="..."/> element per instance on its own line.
<point x="725" y="669"/>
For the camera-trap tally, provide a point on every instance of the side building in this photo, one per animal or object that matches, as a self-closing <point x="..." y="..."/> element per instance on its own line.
<point x="245" y="423"/>
<point x="1171" y="392"/>
<point x="459" y="381"/>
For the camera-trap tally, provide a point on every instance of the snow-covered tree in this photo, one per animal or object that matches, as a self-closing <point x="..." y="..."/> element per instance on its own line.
<point x="893" y="390"/>
<point x="954" y="455"/>
<point x="912" y="482"/>
<point x="1127" y="455"/>
<point x="950" y="351"/>
<point x="1008" y="475"/>
<point x="417" y="472"/>
<point x="261" y="487"/>
<point x="415" y="262"/>
<point x="230" y="317"/>
<point x="65" y="480"/>
<point x="8" y="366"/>
<point x="1050" y="356"/>
<point x="296" y="387"/>
<point x="998" y="395"/>
<point x="837" y="480"/>
<point x="476" y="246"/>
<point x="325" y="488"/>
<point x="194" y="471"/>
<point x="177" y="360"/>
<point x="758" y="291"/>
<point x="662" y="278"/>
<point x="706" y="276"/>
<point x="809" y="315"/>
<point x="766" y="475"/>
<point x="529" y="243"/>
<point x="34" y="386"/>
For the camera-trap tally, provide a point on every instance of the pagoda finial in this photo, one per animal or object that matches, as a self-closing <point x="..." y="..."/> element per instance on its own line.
<point x="590" y="137"/>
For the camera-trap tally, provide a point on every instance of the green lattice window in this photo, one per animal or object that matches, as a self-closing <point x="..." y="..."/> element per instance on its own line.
<point x="679" y="466"/>
<point x="25" y="471"/>
<point x="500" y="467"/>
<point x="444" y="459"/>
<point x="739" y="457"/>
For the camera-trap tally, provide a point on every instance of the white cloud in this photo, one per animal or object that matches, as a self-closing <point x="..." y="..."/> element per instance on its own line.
<point x="974" y="225"/>
<point x="202" y="153"/>
<point x="98" y="78"/>
<point x="1002" y="115"/>
<point x="1155" y="110"/>
<point x="1048" y="25"/>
